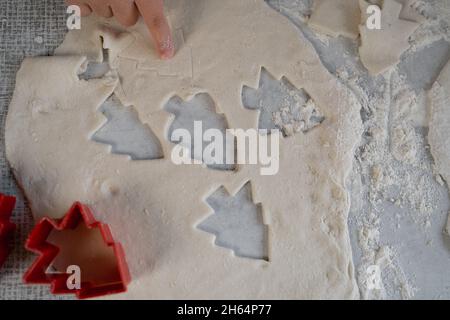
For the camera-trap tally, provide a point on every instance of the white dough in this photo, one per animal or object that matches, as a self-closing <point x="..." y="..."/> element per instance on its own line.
<point x="153" y="207"/>
<point x="410" y="12"/>
<point x="381" y="49"/>
<point x="336" y="17"/>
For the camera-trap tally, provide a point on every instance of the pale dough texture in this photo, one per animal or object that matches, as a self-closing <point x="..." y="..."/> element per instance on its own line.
<point x="381" y="49"/>
<point x="336" y="17"/>
<point x="153" y="207"/>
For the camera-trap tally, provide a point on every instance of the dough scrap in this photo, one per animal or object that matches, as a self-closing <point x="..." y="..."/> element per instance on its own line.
<point x="381" y="49"/>
<point x="153" y="207"/>
<point x="336" y="17"/>
<point x="439" y="126"/>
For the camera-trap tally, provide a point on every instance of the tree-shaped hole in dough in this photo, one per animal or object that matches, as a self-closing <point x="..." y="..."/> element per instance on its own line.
<point x="200" y="110"/>
<point x="281" y="105"/>
<point x="126" y="134"/>
<point x="237" y="223"/>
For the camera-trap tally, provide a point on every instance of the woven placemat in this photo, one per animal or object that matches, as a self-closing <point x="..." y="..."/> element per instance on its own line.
<point x="28" y="28"/>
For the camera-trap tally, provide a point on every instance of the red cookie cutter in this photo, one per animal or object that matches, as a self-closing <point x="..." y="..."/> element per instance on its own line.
<point x="7" y="204"/>
<point x="37" y="243"/>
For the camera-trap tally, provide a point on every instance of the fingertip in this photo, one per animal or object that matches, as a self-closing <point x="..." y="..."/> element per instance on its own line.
<point x="166" y="48"/>
<point x="167" y="54"/>
<point x="163" y="39"/>
<point x="156" y="21"/>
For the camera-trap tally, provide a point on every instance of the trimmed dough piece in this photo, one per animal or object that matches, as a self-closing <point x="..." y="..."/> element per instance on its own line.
<point x="381" y="49"/>
<point x="408" y="12"/>
<point x="336" y="17"/>
<point x="439" y="131"/>
<point x="153" y="207"/>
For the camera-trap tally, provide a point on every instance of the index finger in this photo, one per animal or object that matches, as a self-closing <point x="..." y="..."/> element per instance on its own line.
<point x="153" y="13"/>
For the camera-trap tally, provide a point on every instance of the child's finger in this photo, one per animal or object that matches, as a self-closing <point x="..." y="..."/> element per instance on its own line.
<point x="125" y="12"/>
<point x="153" y="13"/>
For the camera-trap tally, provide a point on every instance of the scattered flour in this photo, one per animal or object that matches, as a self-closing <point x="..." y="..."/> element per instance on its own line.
<point x="392" y="180"/>
<point x="393" y="165"/>
<point x="301" y="116"/>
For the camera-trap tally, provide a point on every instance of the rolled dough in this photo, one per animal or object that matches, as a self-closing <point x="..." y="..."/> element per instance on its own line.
<point x="336" y="17"/>
<point x="154" y="207"/>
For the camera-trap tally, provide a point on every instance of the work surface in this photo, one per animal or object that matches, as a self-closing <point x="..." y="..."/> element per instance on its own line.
<point x="396" y="224"/>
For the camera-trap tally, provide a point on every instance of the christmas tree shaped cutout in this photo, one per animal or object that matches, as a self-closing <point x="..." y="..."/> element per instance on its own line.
<point x="201" y="109"/>
<point x="126" y="135"/>
<point x="281" y="105"/>
<point x="77" y="255"/>
<point x="237" y="223"/>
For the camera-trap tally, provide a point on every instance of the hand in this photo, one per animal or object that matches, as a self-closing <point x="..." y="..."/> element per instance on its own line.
<point x="127" y="12"/>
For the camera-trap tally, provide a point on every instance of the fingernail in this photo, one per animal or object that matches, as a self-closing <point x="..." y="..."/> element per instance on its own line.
<point x="167" y="54"/>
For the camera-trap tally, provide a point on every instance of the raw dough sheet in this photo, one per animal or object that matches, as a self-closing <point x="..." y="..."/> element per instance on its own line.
<point x="153" y="207"/>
